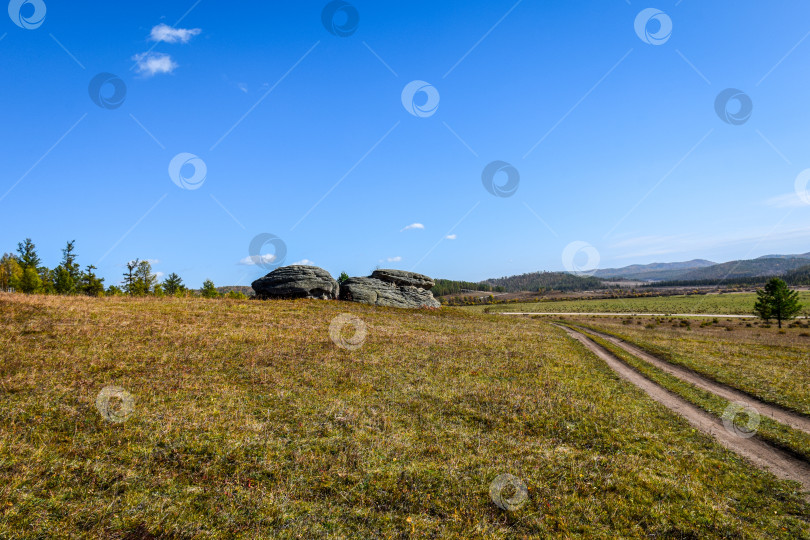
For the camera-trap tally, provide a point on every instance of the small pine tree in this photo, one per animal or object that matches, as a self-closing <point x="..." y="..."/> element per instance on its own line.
<point x="343" y="277"/>
<point x="209" y="290"/>
<point x="173" y="285"/>
<point x="62" y="280"/>
<point x="69" y="261"/>
<point x="28" y="254"/>
<point x="129" y="277"/>
<point x="112" y="290"/>
<point x="777" y="301"/>
<point x="90" y="284"/>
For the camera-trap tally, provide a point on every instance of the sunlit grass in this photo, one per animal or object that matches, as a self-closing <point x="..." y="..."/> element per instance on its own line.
<point x="763" y="362"/>
<point x="249" y="421"/>
<point x="731" y="304"/>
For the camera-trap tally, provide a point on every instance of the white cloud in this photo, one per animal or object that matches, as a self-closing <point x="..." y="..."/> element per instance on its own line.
<point x="451" y="237"/>
<point x="242" y="86"/>
<point x="152" y="261"/>
<point x="305" y="262"/>
<point x="394" y="259"/>
<point x="789" y="200"/>
<point x="257" y="259"/>
<point x="150" y="64"/>
<point x="413" y="226"/>
<point x="159" y="274"/>
<point x="164" y="32"/>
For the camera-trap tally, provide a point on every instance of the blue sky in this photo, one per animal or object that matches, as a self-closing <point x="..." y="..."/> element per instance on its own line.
<point x="614" y="134"/>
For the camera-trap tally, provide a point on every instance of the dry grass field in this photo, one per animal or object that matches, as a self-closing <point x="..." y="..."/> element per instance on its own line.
<point x="750" y="355"/>
<point x="248" y="420"/>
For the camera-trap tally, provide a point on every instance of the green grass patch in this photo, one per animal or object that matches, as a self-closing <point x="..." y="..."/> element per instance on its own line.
<point x="725" y="304"/>
<point x="792" y="440"/>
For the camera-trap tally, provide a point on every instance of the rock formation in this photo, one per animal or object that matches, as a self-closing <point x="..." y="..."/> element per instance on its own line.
<point x="297" y="281"/>
<point x="394" y="288"/>
<point x="403" y="278"/>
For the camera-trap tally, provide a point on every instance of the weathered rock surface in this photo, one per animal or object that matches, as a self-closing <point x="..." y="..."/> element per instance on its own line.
<point x="297" y="281"/>
<point x="370" y="290"/>
<point x="403" y="278"/>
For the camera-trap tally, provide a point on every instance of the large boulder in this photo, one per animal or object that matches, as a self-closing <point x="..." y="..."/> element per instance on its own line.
<point x="297" y="281"/>
<point x="403" y="278"/>
<point x="369" y="290"/>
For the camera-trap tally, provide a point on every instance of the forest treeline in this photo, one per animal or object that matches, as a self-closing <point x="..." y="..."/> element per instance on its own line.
<point x="534" y="282"/>
<point x="448" y="286"/>
<point x="24" y="272"/>
<point x="547" y="281"/>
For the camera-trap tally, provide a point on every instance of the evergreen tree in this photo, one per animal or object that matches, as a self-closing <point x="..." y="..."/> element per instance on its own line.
<point x="48" y="279"/>
<point x="777" y="301"/>
<point x="62" y="280"/>
<point x="112" y="290"/>
<point x="28" y="254"/>
<point x="209" y="290"/>
<point x="129" y="276"/>
<point x="91" y="285"/>
<point x="69" y="261"/>
<point x="31" y="280"/>
<point x="173" y="285"/>
<point x="343" y="277"/>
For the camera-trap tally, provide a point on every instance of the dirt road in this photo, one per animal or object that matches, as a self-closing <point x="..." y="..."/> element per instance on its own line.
<point x="755" y="450"/>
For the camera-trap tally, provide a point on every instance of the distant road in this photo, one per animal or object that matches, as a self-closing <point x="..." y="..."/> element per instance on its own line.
<point x="715" y="315"/>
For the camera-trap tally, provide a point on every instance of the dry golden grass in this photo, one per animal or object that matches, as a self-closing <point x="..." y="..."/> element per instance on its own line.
<point x="749" y="355"/>
<point x="249" y="421"/>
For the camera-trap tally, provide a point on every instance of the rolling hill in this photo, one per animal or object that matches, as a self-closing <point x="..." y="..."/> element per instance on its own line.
<point x="654" y="271"/>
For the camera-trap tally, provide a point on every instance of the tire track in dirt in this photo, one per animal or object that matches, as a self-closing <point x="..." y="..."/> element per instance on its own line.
<point x="758" y="452"/>
<point x="774" y="412"/>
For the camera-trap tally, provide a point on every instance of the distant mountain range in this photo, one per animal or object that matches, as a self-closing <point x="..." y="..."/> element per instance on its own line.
<point x="654" y="271"/>
<point x="794" y="268"/>
<point x="700" y="269"/>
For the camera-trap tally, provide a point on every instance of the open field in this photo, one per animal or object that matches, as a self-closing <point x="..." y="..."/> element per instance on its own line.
<point x="701" y="402"/>
<point x="735" y="303"/>
<point x="776" y="426"/>
<point x="773" y="366"/>
<point x="248" y="420"/>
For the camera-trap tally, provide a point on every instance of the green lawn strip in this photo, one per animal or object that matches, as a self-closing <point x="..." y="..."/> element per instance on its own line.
<point x="791" y="440"/>
<point x="695" y="304"/>
<point x="733" y="380"/>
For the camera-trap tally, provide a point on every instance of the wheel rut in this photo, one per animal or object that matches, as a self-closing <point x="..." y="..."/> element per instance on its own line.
<point x="784" y="416"/>
<point x="758" y="452"/>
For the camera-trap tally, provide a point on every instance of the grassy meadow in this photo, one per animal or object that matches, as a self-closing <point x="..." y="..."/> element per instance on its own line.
<point x="248" y="420"/>
<point x="725" y="304"/>
<point x="749" y="355"/>
<point x="795" y="441"/>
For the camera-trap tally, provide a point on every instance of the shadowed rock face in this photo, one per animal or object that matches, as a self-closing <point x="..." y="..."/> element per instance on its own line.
<point x="369" y="290"/>
<point x="403" y="278"/>
<point x="297" y="281"/>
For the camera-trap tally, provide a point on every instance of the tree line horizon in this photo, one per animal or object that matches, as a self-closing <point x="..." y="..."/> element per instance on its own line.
<point x="24" y="272"/>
